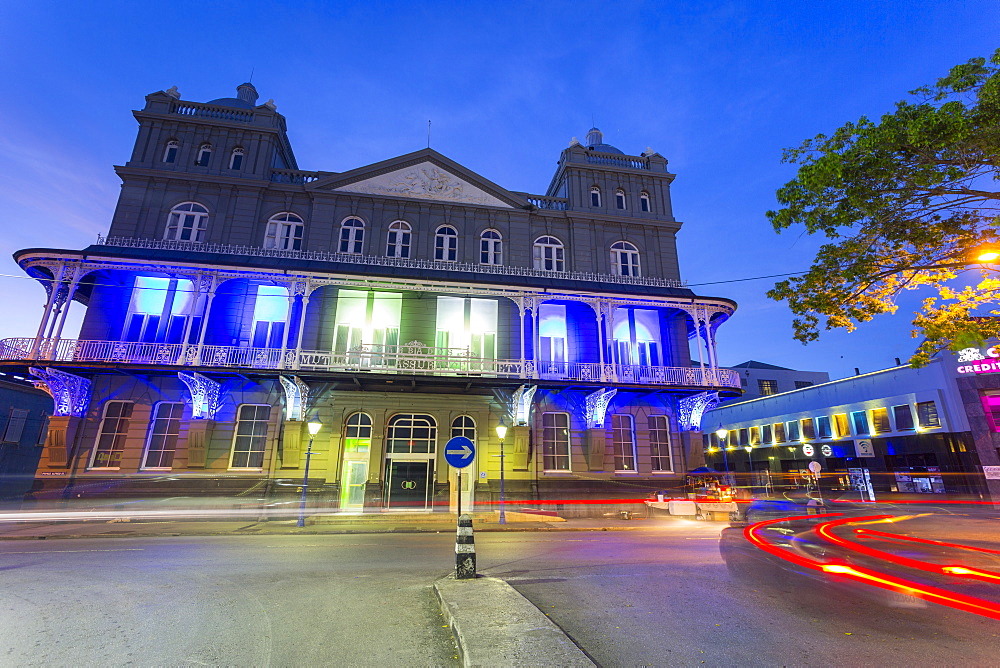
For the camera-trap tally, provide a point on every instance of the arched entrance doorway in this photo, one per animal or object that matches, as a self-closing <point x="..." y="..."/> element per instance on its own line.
<point x="410" y="449"/>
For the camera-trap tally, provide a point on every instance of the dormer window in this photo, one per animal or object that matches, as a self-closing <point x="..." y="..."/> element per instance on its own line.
<point x="170" y="153"/>
<point x="644" y="202"/>
<point x="595" y="196"/>
<point x="204" y="155"/>
<point x="236" y="159"/>
<point x="620" y="199"/>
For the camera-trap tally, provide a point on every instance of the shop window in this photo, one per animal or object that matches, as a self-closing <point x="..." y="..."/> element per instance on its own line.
<point x="808" y="429"/>
<point x="880" y="420"/>
<point x="793" y="430"/>
<point x="823" y="426"/>
<point x="991" y="406"/>
<point x="555" y="441"/>
<point x="903" y="417"/>
<point x="779" y="432"/>
<point x="860" y="420"/>
<point x="623" y="436"/>
<point x="927" y="415"/>
<point x="765" y="434"/>
<point x="767" y="387"/>
<point x="659" y="443"/>
<point x="840" y="425"/>
<point x="754" y="435"/>
<point x="744" y="437"/>
<point x="162" y="440"/>
<point x="111" y="435"/>
<point x="250" y="437"/>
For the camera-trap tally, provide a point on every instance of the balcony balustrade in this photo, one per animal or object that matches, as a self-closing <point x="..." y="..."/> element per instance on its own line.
<point x="379" y="261"/>
<point x="408" y="359"/>
<point x="211" y="111"/>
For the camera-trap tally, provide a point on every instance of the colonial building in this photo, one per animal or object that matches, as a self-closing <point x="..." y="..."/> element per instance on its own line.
<point x="401" y="303"/>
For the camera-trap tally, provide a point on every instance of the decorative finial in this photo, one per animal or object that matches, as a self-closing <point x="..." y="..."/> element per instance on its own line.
<point x="173" y="92"/>
<point x="271" y="105"/>
<point x="574" y="142"/>
<point x="649" y="151"/>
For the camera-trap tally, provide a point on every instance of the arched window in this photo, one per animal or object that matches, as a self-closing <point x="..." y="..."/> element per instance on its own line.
<point x="548" y="254"/>
<point x="204" y="155"/>
<point x="170" y="152"/>
<point x="352" y="235"/>
<point x="359" y="426"/>
<point x="625" y="259"/>
<point x="236" y="159"/>
<point x="620" y="198"/>
<point x="595" y="196"/>
<point x="644" y="201"/>
<point x="465" y="426"/>
<point x="187" y="222"/>
<point x="411" y="434"/>
<point x="284" y="232"/>
<point x="398" y="243"/>
<point x="490" y="247"/>
<point x="446" y="244"/>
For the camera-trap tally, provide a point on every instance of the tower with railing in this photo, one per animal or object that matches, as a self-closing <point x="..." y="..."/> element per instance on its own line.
<point x="402" y="303"/>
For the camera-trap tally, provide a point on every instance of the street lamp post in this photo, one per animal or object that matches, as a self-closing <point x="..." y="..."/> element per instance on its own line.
<point x="501" y="433"/>
<point x="314" y="427"/>
<point x="749" y="449"/>
<point x="721" y="434"/>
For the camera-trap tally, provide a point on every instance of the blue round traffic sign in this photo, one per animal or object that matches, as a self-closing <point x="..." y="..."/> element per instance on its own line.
<point x="459" y="452"/>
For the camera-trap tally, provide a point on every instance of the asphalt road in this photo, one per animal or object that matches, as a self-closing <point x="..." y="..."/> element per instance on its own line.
<point x="659" y="596"/>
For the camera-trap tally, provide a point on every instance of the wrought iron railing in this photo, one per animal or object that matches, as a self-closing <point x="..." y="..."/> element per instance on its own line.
<point x="378" y="261"/>
<point x="410" y="358"/>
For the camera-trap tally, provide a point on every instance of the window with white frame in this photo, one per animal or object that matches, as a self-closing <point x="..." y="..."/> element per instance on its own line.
<point x="659" y="443"/>
<point x="270" y="315"/>
<point x="411" y="434"/>
<point x="161" y="442"/>
<point x="620" y="198"/>
<point x="553" y="337"/>
<point x="236" y="159"/>
<point x="548" y="254"/>
<point x="170" y="151"/>
<point x="204" y="155"/>
<point x="352" y="236"/>
<point x="446" y="244"/>
<point x="636" y="334"/>
<point x="358" y="433"/>
<point x="625" y="259"/>
<point x="398" y="241"/>
<point x="111" y="435"/>
<point x="250" y="437"/>
<point x="468" y="324"/>
<point x="284" y="231"/>
<point x="15" y="425"/>
<point x="490" y="247"/>
<point x="366" y="318"/>
<point x="644" y="202"/>
<point x="159" y="310"/>
<point x="465" y="426"/>
<point x="623" y="438"/>
<point x="187" y="222"/>
<point x="555" y="441"/>
<point x="595" y="196"/>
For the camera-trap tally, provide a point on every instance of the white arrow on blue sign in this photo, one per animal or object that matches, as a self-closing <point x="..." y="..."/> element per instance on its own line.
<point x="459" y="452"/>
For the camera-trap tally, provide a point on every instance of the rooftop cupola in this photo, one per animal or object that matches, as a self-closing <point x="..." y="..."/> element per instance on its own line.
<point x="595" y="142"/>
<point x="247" y="93"/>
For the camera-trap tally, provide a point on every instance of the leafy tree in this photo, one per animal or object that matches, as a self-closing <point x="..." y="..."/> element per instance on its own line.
<point x="905" y="203"/>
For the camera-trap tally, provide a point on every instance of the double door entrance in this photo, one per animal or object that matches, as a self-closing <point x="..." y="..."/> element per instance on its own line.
<point x="408" y="484"/>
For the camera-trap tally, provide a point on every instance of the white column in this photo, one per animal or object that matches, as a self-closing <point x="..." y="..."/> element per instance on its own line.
<point x="204" y="319"/>
<point x="302" y="325"/>
<point x="47" y="312"/>
<point x="70" y="293"/>
<point x="520" y="314"/>
<point x="288" y="325"/>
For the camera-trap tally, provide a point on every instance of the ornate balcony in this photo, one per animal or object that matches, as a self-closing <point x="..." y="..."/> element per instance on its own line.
<point x="409" y="359"/>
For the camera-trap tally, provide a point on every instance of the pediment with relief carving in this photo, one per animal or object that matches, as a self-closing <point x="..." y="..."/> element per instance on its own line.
<point x="424" y="181"/>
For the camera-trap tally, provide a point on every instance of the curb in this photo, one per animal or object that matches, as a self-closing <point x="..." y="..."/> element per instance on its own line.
<point x="494" y="625"/>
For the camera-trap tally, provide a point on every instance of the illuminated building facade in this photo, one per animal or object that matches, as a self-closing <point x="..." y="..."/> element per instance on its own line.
<point x="401" y="303"/>
<point x="932" y="430"/>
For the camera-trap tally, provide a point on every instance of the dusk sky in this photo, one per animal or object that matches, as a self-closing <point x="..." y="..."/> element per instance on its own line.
<point x="718" y="88"/>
